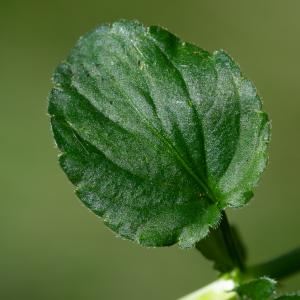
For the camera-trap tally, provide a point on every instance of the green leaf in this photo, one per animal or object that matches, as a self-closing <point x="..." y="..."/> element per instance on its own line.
<point x="157" y="135"/>
<point x="228" y="288"/>
<point x="258" y="289"/>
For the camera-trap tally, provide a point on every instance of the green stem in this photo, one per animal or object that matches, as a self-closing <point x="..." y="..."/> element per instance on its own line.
<point x="231" y="245"/>
<point x="223" y="247"/>
<point x="221" y="289"/>
<point x="278" y="268"/>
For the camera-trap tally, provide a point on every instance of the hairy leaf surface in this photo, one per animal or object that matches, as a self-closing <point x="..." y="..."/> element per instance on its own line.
<point x="258" y="289"/>
<point x="262" y="289"/>
<point x="157" y="135"/>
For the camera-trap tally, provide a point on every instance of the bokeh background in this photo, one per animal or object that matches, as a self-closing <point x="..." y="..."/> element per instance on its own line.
<point x="51" y="247"/>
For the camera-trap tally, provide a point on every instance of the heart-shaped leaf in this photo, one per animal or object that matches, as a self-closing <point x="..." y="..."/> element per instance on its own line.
<point x="157" y="135"/>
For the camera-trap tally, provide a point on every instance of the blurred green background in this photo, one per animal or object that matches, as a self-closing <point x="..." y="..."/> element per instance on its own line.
<point x="51" y="247"/>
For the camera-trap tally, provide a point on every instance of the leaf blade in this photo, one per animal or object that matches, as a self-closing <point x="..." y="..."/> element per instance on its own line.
<point x="258" y="289"/>
<point x="125" y="100"/>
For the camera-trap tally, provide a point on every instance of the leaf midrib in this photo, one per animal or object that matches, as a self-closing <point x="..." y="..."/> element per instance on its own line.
<point x="172" y="149"/>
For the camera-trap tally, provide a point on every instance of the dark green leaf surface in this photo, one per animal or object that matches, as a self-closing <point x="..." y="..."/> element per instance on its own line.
<point x="259" y="289"/>
<point x="262" y="289"/>
<point x="157" y="135"/>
